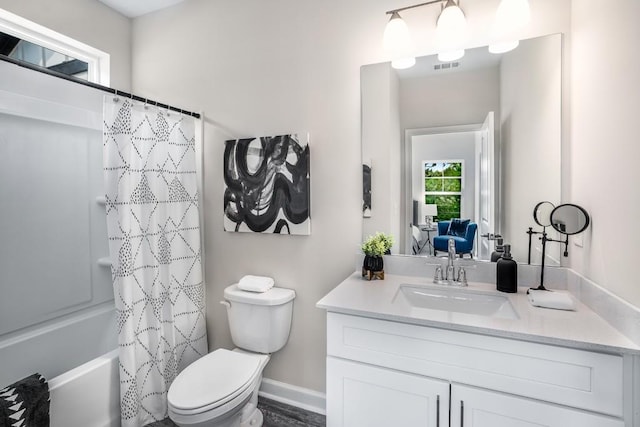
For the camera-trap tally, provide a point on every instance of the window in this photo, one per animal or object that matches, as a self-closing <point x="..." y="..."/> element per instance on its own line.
<point x="443" y="187"/>
<point x="31" y="43"/>
<point x="25" y="51"/>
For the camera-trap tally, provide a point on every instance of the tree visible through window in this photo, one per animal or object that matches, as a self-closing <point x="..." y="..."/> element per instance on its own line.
<point x="443" y="187"/>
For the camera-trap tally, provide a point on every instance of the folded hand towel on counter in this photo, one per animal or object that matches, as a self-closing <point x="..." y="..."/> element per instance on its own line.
<point x="551" y="299"/>
<point x="255" y="283"/>
<point x="25" y="402"/>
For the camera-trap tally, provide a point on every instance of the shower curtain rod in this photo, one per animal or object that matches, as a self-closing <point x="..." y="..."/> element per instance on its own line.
<point x="97" y="86"/>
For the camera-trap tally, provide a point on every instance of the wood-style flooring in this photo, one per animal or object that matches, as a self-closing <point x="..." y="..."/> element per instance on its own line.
<point x="276" y="414"/>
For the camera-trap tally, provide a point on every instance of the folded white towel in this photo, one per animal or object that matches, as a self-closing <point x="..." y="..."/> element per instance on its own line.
<point x="255" y="283"/>
<point x="551" y="299"/>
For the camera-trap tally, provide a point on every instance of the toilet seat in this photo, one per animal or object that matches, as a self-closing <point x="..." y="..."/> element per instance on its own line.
<point x="215" y="383"/>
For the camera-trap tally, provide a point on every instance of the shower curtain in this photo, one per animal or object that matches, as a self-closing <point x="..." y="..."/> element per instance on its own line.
<point x="154" y="245"/>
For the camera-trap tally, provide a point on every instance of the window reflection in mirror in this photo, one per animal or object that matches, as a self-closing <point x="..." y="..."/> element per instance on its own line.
<point x="443" y="182"/>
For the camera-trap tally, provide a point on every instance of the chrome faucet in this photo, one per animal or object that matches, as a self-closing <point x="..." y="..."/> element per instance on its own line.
<point x="452" y="256"/>
<point x="454" y="276"/>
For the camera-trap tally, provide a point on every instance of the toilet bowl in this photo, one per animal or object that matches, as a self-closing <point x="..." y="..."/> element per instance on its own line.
<point x="221" y="388"/>
<point x="214" y="390"/>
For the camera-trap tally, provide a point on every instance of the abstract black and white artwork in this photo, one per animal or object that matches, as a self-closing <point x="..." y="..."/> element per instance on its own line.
<point x="267" y="185"/>
<point x="366" y="189"/>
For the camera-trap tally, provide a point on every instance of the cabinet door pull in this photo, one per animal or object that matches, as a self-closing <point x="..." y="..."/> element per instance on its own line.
<point x="438" y="410"/>
<point x="462" y="413"/>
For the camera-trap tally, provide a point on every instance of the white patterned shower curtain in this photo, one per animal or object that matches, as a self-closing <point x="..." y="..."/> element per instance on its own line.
<point x="154" y="245"/>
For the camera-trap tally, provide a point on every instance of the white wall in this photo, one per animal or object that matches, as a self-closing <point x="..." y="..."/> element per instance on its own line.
<point x="530" y="122"/>
<point x="259" y="68"/>
<point x="605" y="110"/>
<point x="89" y="22"/>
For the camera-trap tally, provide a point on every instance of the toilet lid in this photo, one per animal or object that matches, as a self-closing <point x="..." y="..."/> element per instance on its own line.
<point x="217" y="377"/>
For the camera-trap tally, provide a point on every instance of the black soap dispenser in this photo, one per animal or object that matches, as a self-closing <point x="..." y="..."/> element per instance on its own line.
<point x="507" y="272"/>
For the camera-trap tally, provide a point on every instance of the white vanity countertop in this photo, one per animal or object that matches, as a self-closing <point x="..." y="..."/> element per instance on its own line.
<point x="582" y="329"/>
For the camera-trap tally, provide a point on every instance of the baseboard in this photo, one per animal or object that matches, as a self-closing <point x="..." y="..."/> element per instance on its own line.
<point x="300" y="397"/>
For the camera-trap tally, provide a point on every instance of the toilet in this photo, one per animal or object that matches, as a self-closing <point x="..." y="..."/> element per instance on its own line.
<point x="221" y="388"/>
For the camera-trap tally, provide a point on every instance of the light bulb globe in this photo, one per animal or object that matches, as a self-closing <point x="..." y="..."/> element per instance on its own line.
<point x="451" y="20"/>
<point x="396" y="35"/>
<point x="403" y="63"/>
<point x="503" y="47"/>
<point x="450" y="55"/>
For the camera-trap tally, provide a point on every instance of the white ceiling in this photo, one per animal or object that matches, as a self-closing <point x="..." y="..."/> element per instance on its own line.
<point x="134" y="8"/>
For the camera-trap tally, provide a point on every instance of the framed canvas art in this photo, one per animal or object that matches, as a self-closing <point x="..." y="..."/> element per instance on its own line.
<point x="366" y="188"/>
<point x="267" y="185"/>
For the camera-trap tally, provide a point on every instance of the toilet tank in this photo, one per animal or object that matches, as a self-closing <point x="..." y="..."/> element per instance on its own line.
<point x="259" y="322"/>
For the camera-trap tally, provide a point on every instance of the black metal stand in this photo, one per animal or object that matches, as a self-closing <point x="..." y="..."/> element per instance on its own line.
<point x="567" y="219"/>
<point x="544" y="253"/>
<point x="544" y="240"/>
<point x="530" y="232"/>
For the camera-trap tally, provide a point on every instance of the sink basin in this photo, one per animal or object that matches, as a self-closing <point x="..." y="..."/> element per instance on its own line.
<point x="456" y="300"/>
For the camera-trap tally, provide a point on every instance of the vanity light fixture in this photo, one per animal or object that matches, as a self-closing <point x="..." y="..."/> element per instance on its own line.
<point x="397" y="41"/>
<point x="511" y="17"/>
<point x="450" y="29"/>
<point x="451" y="32"/>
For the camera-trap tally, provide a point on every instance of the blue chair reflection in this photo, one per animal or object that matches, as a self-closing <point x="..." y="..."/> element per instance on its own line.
<point x="464" y="243"/>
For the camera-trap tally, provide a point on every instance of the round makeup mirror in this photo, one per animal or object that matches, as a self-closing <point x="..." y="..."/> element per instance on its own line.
<point x="569" y="219"/>
<point x="542" y="213"/>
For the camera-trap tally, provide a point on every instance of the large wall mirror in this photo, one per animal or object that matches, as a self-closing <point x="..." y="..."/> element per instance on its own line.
<point x="480" y="138"/>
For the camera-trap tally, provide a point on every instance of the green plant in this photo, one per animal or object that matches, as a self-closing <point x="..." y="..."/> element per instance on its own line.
<point x="377" y="245"/>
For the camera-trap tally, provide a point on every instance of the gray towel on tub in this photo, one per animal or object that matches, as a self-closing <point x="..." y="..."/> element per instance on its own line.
<point x="25" y="403"/>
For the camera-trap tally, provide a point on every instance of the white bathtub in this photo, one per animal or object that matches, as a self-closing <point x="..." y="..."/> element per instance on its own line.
<point x="87" y="396"/>
<point x="75" y="353"/>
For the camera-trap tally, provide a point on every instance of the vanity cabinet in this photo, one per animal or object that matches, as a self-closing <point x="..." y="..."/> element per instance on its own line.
<point x="365" y="395"/>
<point x="382" y="373"/>
<point x="475" y="407"/>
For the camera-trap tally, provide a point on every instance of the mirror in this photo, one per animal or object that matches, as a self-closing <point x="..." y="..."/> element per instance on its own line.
<point x="494" y="120"/>
<point x="569" y="219"/>
<point x="542" y="213"/>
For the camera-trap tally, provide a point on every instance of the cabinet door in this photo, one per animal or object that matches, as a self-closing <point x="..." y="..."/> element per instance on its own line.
<point x="360" y="395"/>
<point x="473" y="407"/>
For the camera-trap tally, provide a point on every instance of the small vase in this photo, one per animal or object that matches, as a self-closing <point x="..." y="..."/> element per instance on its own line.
<point x="373" y="262"/>
<point x="373" y="267"/>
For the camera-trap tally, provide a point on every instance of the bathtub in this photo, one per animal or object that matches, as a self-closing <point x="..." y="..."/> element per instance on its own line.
<point x="87" y="396"/>
<point x="78" y="356"/>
